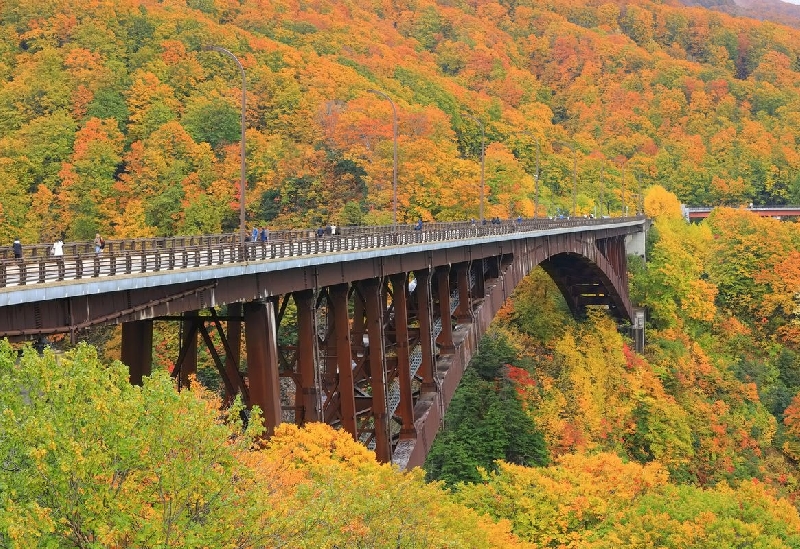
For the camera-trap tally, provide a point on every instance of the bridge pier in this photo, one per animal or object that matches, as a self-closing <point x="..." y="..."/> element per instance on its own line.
<point x="464" y="310"/>
<point x="344" y="361"/>
<point x="425" y="320"/>
<point x="445" y="339"/>
<point x="307" y="345"/>
<point x="187" y="358"/>
<point x="233" y="351"/>
<point x="137" y="348"/>
<point x="405" y="408"/>
<point x="372" y="289"/>
<point x="262" y="361"/>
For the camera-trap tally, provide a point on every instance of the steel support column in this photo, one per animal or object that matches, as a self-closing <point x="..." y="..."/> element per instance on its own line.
<point x="137" y="349"/>
<point x="493" y="268"/>
<point x="464" y="310"/>
<point x="307" y="357"/>
<point x="406" y="407"/>
<point x="445" y="339"/>
<point x="233" y="359"/>
<point x="344" y="360"/>
<point x="262" y="361"/>
<point x="425" y="318"/>
<point x="188" y="365"/>
<point x="478" y="273"/>
<point x="377" y="366"/>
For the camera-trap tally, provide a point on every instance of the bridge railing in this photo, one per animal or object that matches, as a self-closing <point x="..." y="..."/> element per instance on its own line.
<point x="134" y="256"/>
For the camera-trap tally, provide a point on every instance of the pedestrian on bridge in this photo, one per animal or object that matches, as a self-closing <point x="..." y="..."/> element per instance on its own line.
<point x="99" y="243"/>
<point x="264" y="234"/>
<point x="58" y="248"/>
<point x="17" y="247"/>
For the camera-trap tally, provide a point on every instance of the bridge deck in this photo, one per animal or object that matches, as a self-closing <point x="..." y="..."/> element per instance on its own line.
<point x="127" y="265"/>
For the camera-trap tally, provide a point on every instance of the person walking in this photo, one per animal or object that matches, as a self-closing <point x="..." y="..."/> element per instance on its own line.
<point x="264" y="234"/>
<point x="17" y="248"/>
<point x="99" y="243"/>
<point x="58" y="248"/>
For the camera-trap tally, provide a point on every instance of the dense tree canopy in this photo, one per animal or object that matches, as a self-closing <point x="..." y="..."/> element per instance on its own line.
<point x="119" y="108"/>
<point x="89" y="460"/>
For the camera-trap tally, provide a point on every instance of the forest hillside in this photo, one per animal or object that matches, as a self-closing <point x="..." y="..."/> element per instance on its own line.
<point x="560" y="435"/>
<point x="115" y="118"/>
<point x="561" y="428"/>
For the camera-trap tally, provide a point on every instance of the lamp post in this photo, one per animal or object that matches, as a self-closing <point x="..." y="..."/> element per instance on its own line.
<point x="242" y="182"/>
<point x="483" y="164"/>
<point x="574" y="175"/>
<point x="623" y="187"/>
<point x="394" y="162"/>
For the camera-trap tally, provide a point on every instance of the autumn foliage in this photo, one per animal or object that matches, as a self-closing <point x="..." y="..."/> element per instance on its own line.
<point x="90" y="460"/>
<point x="114" y="118"/>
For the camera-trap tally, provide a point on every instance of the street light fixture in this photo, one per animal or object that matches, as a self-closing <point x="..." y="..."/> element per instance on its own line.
<point x="394" y="162"/>
<point x="574" y="175"/>
<point x="483" y="163"/>
<point x="242" y="182"/>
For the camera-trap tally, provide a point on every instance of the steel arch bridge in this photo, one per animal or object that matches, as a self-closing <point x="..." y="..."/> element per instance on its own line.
<point x="381" y="321"/>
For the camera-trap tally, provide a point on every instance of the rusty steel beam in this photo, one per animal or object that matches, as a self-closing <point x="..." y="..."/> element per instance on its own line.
<point x="262" y="361"/>
<point x="346" y="387"/>
<point x="445" y="339"/>
<point x="137" y="349"/>
<point x="425" y="319"/>
<point x="464" y="311"/>
<point x="233" y="347"/>
<point x="479" y="275"/>
<point x="307" y="357"/>
<point x="372" y="289"/>
<point x="229" y="369"/>
<point x="406" y="407"/>
<point x="186" y="365"/>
